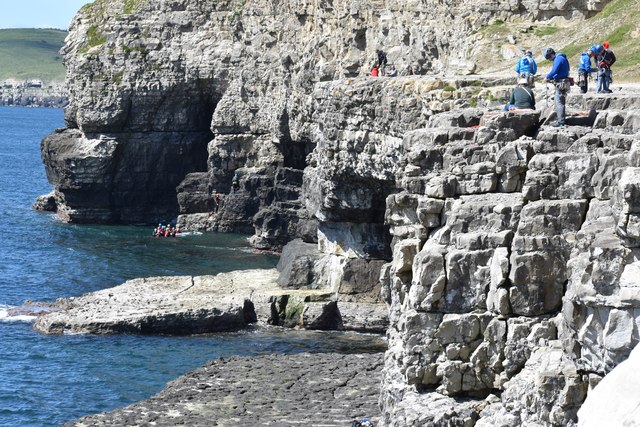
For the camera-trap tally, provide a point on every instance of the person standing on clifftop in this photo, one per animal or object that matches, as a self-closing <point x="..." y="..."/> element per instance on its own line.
<point x="559" y="76"/>
<point x="526" y="68"/>
<point x="585" y="68"/>
<point x="381" y="59"/>
<point x="606" y="59"/>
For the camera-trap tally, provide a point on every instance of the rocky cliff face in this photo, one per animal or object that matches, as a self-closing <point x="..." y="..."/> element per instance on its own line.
<point x="196" y="97"/>
<point x="513" y="285"/>
<point x="507" y="249"/>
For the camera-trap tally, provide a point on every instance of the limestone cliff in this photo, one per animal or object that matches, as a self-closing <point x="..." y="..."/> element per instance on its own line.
<point x="195" y="97"/>
<point x="507" y="249"/>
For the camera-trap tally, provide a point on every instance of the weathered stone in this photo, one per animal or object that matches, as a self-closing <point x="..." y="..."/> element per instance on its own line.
<point x="325" y="389"/>
<point x="614" y="401"/>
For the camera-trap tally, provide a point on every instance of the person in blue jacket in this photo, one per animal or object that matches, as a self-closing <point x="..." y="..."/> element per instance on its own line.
<point x="526" y="67"/>
<point x="559" y="75"/>
<point x="585" y="68"/>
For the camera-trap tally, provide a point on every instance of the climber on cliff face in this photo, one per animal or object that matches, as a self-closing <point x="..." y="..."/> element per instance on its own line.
<point x="559" y="76"/>
<point x="526" y="67"/>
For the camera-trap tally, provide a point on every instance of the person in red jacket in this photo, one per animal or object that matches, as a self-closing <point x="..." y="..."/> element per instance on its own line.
<point x="375" y="71"/>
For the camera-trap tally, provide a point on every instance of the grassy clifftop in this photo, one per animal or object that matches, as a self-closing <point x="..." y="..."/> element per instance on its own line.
<point x="616" y="23"/>
<point x="28" y="53"/>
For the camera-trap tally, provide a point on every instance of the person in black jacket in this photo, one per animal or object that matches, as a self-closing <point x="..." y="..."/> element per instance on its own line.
<point x="381" y="59"/>
<point x="606" y="59"/>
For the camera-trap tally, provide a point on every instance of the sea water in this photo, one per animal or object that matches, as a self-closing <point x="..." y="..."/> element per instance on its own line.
<point x="49" y="380"/>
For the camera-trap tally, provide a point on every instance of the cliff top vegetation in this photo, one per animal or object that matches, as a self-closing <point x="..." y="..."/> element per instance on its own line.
<point x="617" y="23"/>
<point x="31" y="53"/>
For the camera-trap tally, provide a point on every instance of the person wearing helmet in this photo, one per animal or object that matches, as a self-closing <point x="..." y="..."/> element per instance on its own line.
<point x="522" y="98"/>
<point x="559" y="75"/>
<point x="526" y="67"/>
<point x="606" y="59"/>
<point x="585" y="68"/>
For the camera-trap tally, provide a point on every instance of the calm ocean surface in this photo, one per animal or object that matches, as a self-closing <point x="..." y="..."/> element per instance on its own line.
<point x="49" y="380"/>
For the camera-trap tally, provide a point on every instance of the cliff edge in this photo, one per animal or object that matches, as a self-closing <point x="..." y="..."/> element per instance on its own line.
<point x="507" y="250"/>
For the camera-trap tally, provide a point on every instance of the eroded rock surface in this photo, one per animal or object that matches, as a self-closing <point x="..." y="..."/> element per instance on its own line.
<point x="316" y="389"/>
<point x="201" y="304"/>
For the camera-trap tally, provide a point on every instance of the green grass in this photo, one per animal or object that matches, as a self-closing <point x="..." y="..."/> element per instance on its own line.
<point x="545" y="31"/>
<point x="573" y="50"/>
<point x="27" y="53"/>
<point x="94" y="38"/>
<point x="615" y="7"/>
<point x="131" y="6"/>
<point x="619" y="35"/>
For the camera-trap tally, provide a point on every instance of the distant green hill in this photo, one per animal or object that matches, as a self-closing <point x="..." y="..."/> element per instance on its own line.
<point x="28" y="53"/>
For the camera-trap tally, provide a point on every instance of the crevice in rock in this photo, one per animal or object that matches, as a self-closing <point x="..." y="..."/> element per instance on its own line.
<point x="249" y="312"/>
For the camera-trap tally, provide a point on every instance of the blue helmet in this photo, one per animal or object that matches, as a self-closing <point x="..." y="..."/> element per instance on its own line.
<point x="548" y="52"/>
<point x="598" y="48"/>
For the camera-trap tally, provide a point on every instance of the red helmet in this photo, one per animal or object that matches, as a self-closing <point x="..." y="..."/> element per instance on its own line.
<point x="605" y="45"/>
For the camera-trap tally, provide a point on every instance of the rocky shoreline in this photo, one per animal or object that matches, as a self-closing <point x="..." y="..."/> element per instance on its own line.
<point x="203" y="304"/>
<point x="506" y="250"/>
<point x="54" y="96"/>
<point x="323" y="389"/>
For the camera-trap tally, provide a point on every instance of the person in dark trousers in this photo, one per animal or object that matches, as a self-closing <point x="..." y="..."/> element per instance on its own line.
<point x="522" y="98"/>
<point x="585" y="69"/>
<point x="217" y="199"/>
<point x="381" y="58"/>
<point x="606" y="59"/>
<point x="559" y="76"/>
<point x="526" y="67"/>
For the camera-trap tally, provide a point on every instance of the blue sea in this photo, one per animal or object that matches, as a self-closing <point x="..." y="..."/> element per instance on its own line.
<point x="50" y="380"/>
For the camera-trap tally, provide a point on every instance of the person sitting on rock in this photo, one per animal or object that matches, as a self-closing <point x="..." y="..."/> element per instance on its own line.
<point x="585" y="69"/>
<point x="375" y="71"/>
<point x="409" y="71"/>
<point x="522" y="98"/>
<point x="526" y="67"/>
<point x="392" y="71"/>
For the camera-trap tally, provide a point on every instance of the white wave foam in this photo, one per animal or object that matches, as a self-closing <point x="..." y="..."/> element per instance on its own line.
<point x="7" y="317"/>
<point x="189" y="233"/>
<point x="70" y="332"/>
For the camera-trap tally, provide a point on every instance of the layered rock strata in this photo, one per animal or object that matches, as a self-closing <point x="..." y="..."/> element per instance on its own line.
<point x="173" y="101"/>
<point x="514" y="276"/>
<point x="203" y="304"/>
<point x="314" y="389"/>
<point x="512" y="284"/>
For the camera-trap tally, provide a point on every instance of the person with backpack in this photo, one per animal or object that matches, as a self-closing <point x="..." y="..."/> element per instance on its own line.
<point x="522" y="98"/>
<point x="559" y="76"/>
<point x="526" y="67"/>
<point x="585" y="68"/>
<point x="606" y="59"/>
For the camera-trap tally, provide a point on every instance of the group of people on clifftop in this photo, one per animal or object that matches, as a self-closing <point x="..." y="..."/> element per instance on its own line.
<point x="379" y="67"/>
<point x="522" y="96"/>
